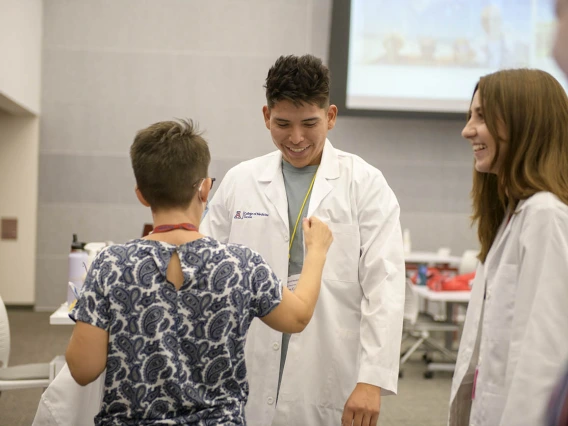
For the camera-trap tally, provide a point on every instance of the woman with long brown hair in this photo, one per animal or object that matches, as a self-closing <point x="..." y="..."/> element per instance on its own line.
<point x="515" y="338"/>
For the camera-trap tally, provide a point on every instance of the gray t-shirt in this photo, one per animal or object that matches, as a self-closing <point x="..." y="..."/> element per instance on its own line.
<point x="297" y="183"/>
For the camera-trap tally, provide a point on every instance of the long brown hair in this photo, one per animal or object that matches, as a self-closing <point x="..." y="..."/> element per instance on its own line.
<point x="532" y="109"/>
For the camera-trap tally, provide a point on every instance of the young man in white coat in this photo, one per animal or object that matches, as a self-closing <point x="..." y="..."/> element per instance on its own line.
<point x="338" y="368"/>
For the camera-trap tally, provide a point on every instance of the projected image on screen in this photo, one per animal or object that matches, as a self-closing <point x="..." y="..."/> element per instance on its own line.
<point x="427" y="55"/>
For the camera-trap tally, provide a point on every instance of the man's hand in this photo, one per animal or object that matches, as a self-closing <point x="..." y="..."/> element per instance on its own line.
<point x="363" y="406"/>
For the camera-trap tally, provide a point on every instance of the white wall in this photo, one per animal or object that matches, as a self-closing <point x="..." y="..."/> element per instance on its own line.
<point x="18" y="198"/>
<point x="20" y="52"/>
<point x="20" y="79"/>
<point x="112" y="67"/>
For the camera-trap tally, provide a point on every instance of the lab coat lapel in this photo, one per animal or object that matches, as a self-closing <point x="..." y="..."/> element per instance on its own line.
<point x="471" y="328"/>
<point x="275" y="190"/>
<point x="328" y="170"/>
<point x="469" y="335"/>
<point x="494" y="255"/>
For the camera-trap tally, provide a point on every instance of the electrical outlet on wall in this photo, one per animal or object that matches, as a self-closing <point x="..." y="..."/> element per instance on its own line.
<point x="9" y="228"/>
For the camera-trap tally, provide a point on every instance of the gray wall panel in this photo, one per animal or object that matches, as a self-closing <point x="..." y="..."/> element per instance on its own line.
<point x="86" y="179"/>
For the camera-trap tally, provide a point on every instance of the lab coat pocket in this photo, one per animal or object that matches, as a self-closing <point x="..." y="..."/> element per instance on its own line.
<point x="342" y="262"/>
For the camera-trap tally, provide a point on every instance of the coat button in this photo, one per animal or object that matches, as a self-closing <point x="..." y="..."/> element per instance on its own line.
<point x="270" y="400"/>
<point x="276" y="346"/>
<point x="286" y="238"/>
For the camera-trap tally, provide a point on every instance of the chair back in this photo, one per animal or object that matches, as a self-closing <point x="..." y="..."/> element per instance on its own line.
<point x="468" y="262"/>
<point x="4" y="335"/>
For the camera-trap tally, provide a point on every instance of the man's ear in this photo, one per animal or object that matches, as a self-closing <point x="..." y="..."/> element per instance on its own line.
<point x="204" y="189"/>
<point x="141" y="197"/>
<point x="266" y="115"/>
<point x="331" y="116"/>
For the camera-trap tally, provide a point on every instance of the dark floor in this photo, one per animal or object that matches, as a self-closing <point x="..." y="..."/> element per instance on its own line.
<point x="419" y="402"/>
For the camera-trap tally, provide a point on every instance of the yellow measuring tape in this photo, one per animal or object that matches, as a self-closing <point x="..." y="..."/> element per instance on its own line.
<point x="300" y="214"/>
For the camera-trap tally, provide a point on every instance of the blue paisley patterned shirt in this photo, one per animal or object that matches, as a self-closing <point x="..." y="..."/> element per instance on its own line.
<point x="176" y="357"/>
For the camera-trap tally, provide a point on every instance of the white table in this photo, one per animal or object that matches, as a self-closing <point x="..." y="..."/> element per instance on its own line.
<point x="61" y="316"/>
<point x="445" y="261"/>
<point x="442" y="296"/>
<point x="431" y="257"/>
<point x="449" y="298"/>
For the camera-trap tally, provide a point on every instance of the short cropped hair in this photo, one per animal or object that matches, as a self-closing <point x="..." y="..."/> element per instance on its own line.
<point x="299" y="79"/>
<point x="169" y="159"/>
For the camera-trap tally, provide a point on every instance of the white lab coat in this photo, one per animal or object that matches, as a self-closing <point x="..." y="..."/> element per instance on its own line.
<point x="354" y="335"/>
<point x="65" y="403"/>
<point x="524" y="327"/>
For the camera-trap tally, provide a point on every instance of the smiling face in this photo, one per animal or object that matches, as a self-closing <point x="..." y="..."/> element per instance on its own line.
<point x="483" y="143"/>
<point x="299" y="132"/>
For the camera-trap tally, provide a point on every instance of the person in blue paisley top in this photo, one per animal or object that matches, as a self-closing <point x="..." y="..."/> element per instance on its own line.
<point x="167" y="315"/>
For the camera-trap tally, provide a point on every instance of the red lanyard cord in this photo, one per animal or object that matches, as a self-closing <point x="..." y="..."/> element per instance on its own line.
<point x="167" y="228"/>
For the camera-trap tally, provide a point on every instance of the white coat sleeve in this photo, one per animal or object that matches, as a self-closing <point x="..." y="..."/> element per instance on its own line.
<point x="65" y="403"/>
<point x="382" y="278"/>
<point x="216" y="221"/>
<point x="542" y="295"/>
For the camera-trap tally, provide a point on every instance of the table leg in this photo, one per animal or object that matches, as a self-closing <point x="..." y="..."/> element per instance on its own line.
<point x="447" y="349"/>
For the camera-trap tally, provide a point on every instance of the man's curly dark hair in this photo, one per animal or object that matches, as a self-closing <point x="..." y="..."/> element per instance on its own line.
<point x="299" y="79"/>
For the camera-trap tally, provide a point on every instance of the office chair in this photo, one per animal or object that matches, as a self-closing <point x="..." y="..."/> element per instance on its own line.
<point x="468" y="262"/>
<point x="19" y="376"/>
